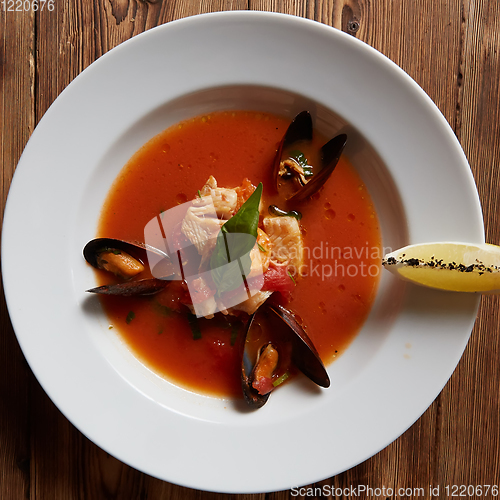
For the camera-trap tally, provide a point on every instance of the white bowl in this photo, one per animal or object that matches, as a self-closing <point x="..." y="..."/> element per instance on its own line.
<point x="405" y="152"/>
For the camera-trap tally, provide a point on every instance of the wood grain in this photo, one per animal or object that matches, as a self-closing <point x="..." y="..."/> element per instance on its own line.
<point x="451" y="48"/>
<point x="17" y="70"/>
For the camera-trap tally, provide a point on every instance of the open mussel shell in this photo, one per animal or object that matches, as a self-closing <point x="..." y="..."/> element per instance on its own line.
<point x="252" y="397"/>
<point x="300" y="129"/>
<point x="303" y="354"/>
<point x="137" y="250"/>
<point x="129" y="288"/>
<point x="330" y="155"/>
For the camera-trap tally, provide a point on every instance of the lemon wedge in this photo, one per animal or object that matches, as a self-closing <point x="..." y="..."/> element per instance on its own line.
<point x="460" y="267"/>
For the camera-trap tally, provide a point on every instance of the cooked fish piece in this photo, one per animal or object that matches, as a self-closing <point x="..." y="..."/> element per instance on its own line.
<point x="209" y="185"/>
<point x="252" y="304"/>
<point x="206" y="308"/>
<point x="224" y="199"/>
<point x="260" y="254"/>
<point x="203" y="297"/>
<point x="200" y="224"/>
<point x="287" y="245"/>
<point x="244" y="192"/>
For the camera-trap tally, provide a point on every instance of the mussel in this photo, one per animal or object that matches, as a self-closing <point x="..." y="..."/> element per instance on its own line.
<point x="293" y="172"/>
<point x="263" y="359"/>
<point x="127" y="259"/>
<point x="146" y="286"/>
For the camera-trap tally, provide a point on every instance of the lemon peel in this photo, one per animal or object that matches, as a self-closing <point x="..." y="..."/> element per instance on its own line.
<point x="459" y="267"/>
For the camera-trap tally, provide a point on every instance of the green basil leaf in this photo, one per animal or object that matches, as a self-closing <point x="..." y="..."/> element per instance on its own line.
<point x="230" y="276"/>
<point x="234" y="242"/>
<point x="246" y="220"/>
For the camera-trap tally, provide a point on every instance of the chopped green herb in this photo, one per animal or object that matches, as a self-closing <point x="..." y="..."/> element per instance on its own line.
<point x="234" y="334"/>
<point x="130" y="317"/>
<point x="299" y="157"/>
<point x="261" y="248"/>
<point x="274" y="210"/>
<point x="164" y="310"/>
<point x="199" y="194"/>
<point x="281" y="379"/>
<point x="291" y="277"/>
<point x="294" y="213"/>
<point x="109" y="249"/>
<point x="194" y="325"/>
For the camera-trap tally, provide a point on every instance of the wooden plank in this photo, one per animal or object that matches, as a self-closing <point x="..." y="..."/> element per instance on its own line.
<point x="478" y="110"/>
<point x="17" y="74"/>
<point x="471" y="398"/>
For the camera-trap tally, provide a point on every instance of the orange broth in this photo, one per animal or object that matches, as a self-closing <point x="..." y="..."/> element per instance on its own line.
<point x="339" y="224"/>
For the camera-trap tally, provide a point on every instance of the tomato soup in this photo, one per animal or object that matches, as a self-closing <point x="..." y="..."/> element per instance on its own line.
<point x="340" y="229"/>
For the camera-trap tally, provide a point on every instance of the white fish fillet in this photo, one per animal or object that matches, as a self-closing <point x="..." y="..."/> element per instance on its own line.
<point x="224" y="199"/>
<point x="286" y="240"/>
<point x="252" y="304"/>
<point x="200" y="224"/>
<point x="207" y="308"/>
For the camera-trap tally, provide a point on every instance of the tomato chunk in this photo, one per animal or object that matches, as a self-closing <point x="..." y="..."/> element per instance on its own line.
<point x="277" y="279"/>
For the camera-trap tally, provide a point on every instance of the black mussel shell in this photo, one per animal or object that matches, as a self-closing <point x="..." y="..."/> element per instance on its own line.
<point x="130" y="288"/>
<point x="252" y="397"/>
<point x="301" y="129"/>
<point x="94" y="247"/>
<point x="330" y="155"/>
<point x="137" y="250"/>
<point x="304" y="355"/>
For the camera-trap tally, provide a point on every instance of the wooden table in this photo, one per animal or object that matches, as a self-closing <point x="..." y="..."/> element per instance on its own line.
<point x="450" y="47"/>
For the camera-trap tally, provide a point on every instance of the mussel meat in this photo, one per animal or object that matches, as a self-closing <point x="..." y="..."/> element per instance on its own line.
<point x="126" y="260"/>
<point x="265" y="362"/>
<point x="294" y="172"/>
